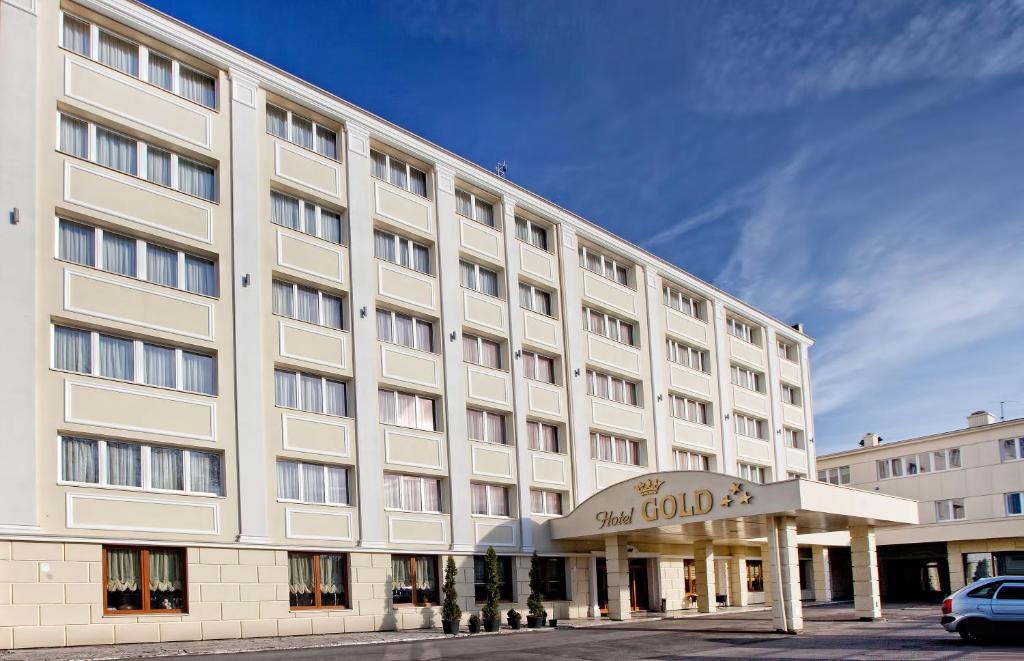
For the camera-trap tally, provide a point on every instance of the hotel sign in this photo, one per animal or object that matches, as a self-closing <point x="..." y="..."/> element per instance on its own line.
<point x="670" y="507"/>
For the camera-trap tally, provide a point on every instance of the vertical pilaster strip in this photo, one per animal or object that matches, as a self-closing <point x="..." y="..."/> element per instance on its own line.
<point x="617" y="557"/>
<point x="662" y="450"/>
<point x="774" y="393"/>
<point x="808" y="408"/>
<point x="738" y="595"/>
<point x="448" y="242"/>
<point x="250" y="290"/>
<point x="704" y="565"/>
<point x="728" y="450"/>
<point x="822" y="574"/>
<point x="867" y="599"/>
<point x="19" y="48"/>
<point x="364" y="334"/>
<point x="519" y="395"/>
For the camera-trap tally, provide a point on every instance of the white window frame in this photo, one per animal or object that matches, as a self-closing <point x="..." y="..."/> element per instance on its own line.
<point x="424" y="481"/>
<point x="532" y="375"/>
<point x="480" y="341"/>
<point x="142" y="148"/>
<point x="294" y="312"/>
<point x="945" y="510"/>
<point x="755" y="473"/>
<point x="744" y="424"/>
<point x="145" y="465"/>
<point x="690" y="357"/>
<point x="529" y="225"/>
<point x="741" y="330"/>
<point x="606" y="321"/>
<point x="606" y="262"/>
<point x="791" y="395"/>
<point x="746" y="378"/>
<point x="694" y="410"/>
<point x="144" y="52"/>
<point x="317" y="213"/>
<point x="680" y="301"/>
<point x="794" y="438"/>
<point x="398" y="239"/>
<point x="837" y="475"/>
<point x="1019" y="495"/>
<point x="291" y="136"/>
<point x="540" y="435"/>
<point x="910" y="465"/>
<point x="435" y="426"/>
<point x="627" y="386"/>
<point x="302" y="483"/>
<point x="408" y="173"/>
<point x="416" y="323"/>
<point x="476" y="278"/>
<point x="595" y="449"/>
<point x="535" y="294"/>
<point x="473" y="197"/>
<point x="323" y="393"/>
<point x="544" y="500"/>
<point x="505" y="491"/>
<point x="684" y="460"/>
<point x="487" y="415"/>
<point x="1018" y="450"/>
<point x="786" y="350"/>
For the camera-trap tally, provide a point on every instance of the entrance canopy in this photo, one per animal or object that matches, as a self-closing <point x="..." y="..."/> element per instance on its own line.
<point x="683" y="506"/>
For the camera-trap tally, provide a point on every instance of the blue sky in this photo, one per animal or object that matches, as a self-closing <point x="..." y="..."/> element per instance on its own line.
<point x="853" y="166"/>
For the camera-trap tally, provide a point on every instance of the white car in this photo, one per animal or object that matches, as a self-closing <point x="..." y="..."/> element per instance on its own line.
<point x="986" y="608"/>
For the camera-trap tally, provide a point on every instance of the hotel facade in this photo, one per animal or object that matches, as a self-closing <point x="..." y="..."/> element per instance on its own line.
<point x="270" y="359"/>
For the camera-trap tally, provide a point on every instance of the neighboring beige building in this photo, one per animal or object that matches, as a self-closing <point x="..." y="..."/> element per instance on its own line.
<point x="970" y="487"/>
<point x="270" y="359"/>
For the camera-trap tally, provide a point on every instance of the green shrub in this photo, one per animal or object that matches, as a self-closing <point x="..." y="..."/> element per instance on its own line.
<point x="450" y="610"/>
<point x="536" y="601"/>
<point x="490" y="610"/>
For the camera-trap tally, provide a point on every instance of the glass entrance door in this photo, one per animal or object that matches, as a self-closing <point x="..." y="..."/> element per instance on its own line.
<point x="639" y="593"/>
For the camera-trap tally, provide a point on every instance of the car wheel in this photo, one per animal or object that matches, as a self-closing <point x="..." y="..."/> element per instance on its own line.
<point x="973" y="632"/>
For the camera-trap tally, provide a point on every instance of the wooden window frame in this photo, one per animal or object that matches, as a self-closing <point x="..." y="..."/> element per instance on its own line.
<point x="412" y="572"/>
<point x="317" y="595"/>
<point x="144" y="580"/>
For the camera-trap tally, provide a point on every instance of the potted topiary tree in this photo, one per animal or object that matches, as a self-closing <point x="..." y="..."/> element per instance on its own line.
<point x="491" y="614"/>
<point x="474" y="623"/>
<point x="450" y="611"/>
<point x="535" y="618"/>
<point x="515" y="620"/>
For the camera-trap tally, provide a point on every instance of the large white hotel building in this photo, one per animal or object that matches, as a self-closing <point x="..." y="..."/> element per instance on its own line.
<point x="268" y="358"/>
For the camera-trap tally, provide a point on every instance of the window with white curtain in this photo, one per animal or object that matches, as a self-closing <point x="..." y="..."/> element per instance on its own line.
<point x="916" y="464"/>
<point x="485" y="426"/>
<point x="794" y="438"/>
<point x="685" y="303"/>
<point x="406" y="410"/>
<point x="398" y="173"/>
<point x="741" y="330"/>
<point x="469" y="205"/>
<point x="310" y="392"/>
<point x="137" y="158"/>
<point x="1011" y="449"/>
<point x="537" y="367"/>
<point x="533" y="233"/>
<point x="307" y="304"/>
<point x="753" y="473"/>
<point x="546" y="503"/>
<point x="320" y="484"/>
<point x="307" y="217"/>
<point x="138" y="466"/>
<point x="132" y="360"/>
<point x="412" y="493"/>
<point x="692" y="410"/>
<point x="611" y="387"/>
<point x="749" y="426"/>
<point x="126" y="56"/>
<point x="687" y="460"/>
<point x="405" y="330"/>
<point x="481" y="351"/>
<point x="786" y="350"/>
<point x="951" y="509"/>
<point x="77" y="242"/>
<point x="684" y="354"/>
<point x="402" y="251"/>
<point x="302" y="131"/>
<point x="603" y="265"/>
<point x="747" y="378"/>
<point x="542" y="437"/>
<point x="476" y="277"/>
<point x="837" y="475"/>
<point x="535" y="299"/>
<point x="608" y="326"/>
<point x="489" y="499"/>
<point x="606" y="447"/>
<point x="791" y="395"/>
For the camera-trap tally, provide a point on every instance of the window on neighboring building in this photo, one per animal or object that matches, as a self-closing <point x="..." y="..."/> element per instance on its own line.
<point x="412" y="493"/>
<point x="485" y="426"/>
<point x="611" y="387"/>
<point x="951" y="509"/>
<point x="321" y="484"/>
<point x="750" y="427"/>
<point x="405" y="330"/>
<point x="741" y="330"/>
<point x="317" y="580"/>
<point x="469" y="205"/>
<point x="123" y="55"/>
<point x="538" y="368"/>
<point x="144" y="580"/>
<point x="547" y="503"/>
<point x="136" y="158"/>
<point x="476" y="277"/>
<point x="489" y="499"/>
<point x="530" y="232"/>
<point x="786" y="350"/>
<point x="1015" y="503"/>
<point x="542" y="436"/>
<point x="606" y="447"/>
<point x="687" y="460"/>
<point x="506" y="577"/>
<point x="748" y="379"/>
<point x="791" y="395"/>
<point x="398" y="173"/>
<point x="402" y="251"/>
<point x="684" y="354"/>
<point x="603" y="265"/>
<point x="310" y="392"/>
<point x="302" y="131"/>
<point x="838" y="475"/>
<point x="1011" y="449"/>
<point x="685" y="303"/>
<point x="414" y="580"/>
<point x="481" y="351"/>
<point x="92" y="246"/>
<point x="407" y="410"/>
<point x="307" y="217"/>
<point x="794" y="438"/>
<point x="116" y="358"/>
<point x="755" y="576"/>
<point x="535" y="299"/>
<point x="692" y="410"/>
<point x="608" y="326"/>
<point x="130" y="465"/>
<point x="554" y="586"/>
<point x="307" y="304"/>
<point x="753" y="473"/>
<point x="915" y="464"/>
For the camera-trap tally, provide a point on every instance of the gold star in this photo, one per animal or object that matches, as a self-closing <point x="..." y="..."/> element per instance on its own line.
<point x="745" y="498"/>
<point x="735" y="488"/>
<point x="727" y="501"/>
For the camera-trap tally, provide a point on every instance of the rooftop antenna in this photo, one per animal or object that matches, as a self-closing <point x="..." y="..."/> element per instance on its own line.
<point x="1002" y="408"/>
<point x="501" y="169"/>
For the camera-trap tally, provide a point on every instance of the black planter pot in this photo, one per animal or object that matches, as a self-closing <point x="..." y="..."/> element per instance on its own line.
<point x="515" y="624"/>
<point x="450" y="627"/>
<point x="490" y="626"/>
<point x="474" y="627"/>
<point x="535" y="621"/>
<point x="553" y="623"/>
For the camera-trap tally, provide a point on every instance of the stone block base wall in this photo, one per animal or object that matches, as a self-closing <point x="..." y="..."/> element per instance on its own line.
<point x="51" y="594"/>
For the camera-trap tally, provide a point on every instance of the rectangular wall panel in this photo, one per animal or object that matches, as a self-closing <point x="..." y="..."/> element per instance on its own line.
<point x="609" y="475"/>
<point x="793" y="415"/>
<point x="609" y="293"/>
<point x="407" y="448"/>
<point x="406" y="286"/>
<point x="549" y="469"/>
<point x="309" y="170"/>
<point x="409" y="529"/>
<point x="496" y="534"/>
<point x="142" y="514"/>
<point x="748" y="400"/>
<point x="629" y="419"/>
<point x="311" y="256"/>
<point x="325" y="347"/>
<point x="545" y="399"/>
<point x="409" y="365"/>
<point x="480" y="239"/>
<point x="483" y="310"/>
<point x="491" y="460"/>
<point x="751" y="449"/>
<point x="541" y="330"/>
<point x="746" y="351"/>
<point x="537" y="263"/>
<point x="318" y="524"/>
<point x="789" y="371"/>
<point x="316" y="434"/>
<point x="399" y="206"/>
<point x="489" y="385"/>
<point x="133" y="409"/>
<point x="692" y="433"/>
<point x="612" y="354"/>
<point x="690" y="381"/>
<point x="687" y="327"/>
<point x="796" y="459"/>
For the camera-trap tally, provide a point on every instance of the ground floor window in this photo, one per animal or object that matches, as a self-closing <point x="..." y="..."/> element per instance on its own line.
<point x="317" y="580"/>
<point x="984" y="565"/>
<point x="690" y="578"/>
<point x="505" y="577"/>
<point x="144" y="580"/>
<point x="755" y="576"/>
<point x="552" y="577"/>
<point x="414" y="580"/>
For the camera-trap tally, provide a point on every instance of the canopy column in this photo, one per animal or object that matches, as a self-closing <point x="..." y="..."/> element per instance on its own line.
<point x="787" y="610"/>
<point x="738" y="577"/>
<point x="867" y="600"/>
<point x="704" y="564"/>
<point x="616" y="556"/>
<point x="822" y="574"/>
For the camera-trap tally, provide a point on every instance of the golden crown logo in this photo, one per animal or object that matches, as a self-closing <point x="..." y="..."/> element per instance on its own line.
<point x="649" y="487"/>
